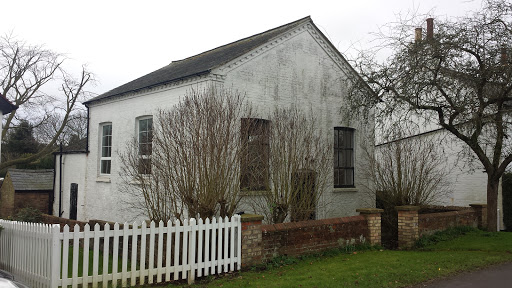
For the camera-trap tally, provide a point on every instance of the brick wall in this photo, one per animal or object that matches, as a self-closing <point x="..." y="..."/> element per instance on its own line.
<point x="432" y="222"/>
<point x="297" y="238"/>
<point x="50" y="219"/>
<point x="412" y="225"/>
<point x="34" y="199"/>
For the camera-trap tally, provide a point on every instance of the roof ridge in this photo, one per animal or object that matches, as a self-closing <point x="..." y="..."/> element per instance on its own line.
<point x="293" y="23"/>
<point x="199" y="64"/>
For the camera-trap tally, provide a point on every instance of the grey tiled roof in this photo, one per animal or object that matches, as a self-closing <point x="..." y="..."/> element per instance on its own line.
<point x="199" y="64"/>
<point x="24" y="180"/>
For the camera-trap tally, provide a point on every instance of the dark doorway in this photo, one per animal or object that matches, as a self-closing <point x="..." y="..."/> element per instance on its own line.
<point x="73" y="201"/>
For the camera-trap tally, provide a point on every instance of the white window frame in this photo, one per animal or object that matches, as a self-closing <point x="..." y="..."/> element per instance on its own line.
<point x="138" y="133"/>
<point x="105" y="158"/>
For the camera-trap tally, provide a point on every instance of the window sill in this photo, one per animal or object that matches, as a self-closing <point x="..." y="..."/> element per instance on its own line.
<point x="138" y="182"/>
<point x="103" y="179"/>
<point x="345" y="190"/>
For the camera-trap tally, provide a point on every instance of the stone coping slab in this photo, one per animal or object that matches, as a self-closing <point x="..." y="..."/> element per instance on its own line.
<point x="407" y="208"/>
<point x="369" y="210"/>
<point x="251" y="217"/>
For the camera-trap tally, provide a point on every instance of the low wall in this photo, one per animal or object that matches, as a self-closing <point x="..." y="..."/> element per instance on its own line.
<point x="298" y="238"/>
<point x="433" y="222"/>
<point x="50" y="219"/>
<point x="412" y="225"/>
<point x="261" y="243"/>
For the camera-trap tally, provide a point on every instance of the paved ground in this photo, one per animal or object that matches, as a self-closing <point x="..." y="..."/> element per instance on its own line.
<point x="494" y="276"/>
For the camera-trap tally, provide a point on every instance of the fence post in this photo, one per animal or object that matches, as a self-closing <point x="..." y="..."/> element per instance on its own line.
<point x="481" y="212"/>
<point x="373" y="218"/>
<point x="251" y="239"/>
<point x="55" y="257"/>
<point x="408" y="228"/>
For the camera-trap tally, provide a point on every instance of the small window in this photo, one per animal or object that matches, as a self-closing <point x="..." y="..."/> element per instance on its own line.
<point x="343" y="157"/>
<point x="106" y="149"/>
<point x="255" y="160"/>
<point x="145" y="140"/>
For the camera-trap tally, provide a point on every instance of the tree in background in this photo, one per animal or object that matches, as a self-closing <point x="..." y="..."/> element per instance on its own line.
<point x="28" y="75"/>
<point x="458" y="77"/>
<point x="409" y="171"/>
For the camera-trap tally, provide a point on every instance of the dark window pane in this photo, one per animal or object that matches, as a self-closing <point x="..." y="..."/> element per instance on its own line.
<point x="105" y="166"/>
<point x="343" y="157"/>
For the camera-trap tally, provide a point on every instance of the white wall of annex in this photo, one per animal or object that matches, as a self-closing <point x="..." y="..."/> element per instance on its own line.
<point x="73" y="171"/>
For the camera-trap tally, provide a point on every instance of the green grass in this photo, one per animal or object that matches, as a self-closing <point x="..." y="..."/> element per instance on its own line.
<point x="438" y="256"/>
<point x="100" y="262"/>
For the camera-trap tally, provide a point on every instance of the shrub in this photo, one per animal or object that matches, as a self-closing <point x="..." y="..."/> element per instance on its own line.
<point x="29" y="214"/>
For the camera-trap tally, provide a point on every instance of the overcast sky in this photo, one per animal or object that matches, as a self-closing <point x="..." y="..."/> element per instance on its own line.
<point x="123" y="40"/>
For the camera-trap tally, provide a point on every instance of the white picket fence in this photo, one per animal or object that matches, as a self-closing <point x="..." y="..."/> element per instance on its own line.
<point x="42" y="256"/>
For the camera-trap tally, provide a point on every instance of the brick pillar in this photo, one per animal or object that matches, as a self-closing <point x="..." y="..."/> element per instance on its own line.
<point x="251" y="239"/>
<point x="408" y="228"/>
<point x="481" y="212"/>
<point x="373" y="219"/>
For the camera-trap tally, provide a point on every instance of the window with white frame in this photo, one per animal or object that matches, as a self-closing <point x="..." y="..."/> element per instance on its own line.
<point x="343" y="157"/>
<point x="145" y="140"/>
<point x="106" y="148"/>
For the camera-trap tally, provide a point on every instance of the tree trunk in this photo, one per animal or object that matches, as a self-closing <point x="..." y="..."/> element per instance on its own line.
<point x="492" y="204"/>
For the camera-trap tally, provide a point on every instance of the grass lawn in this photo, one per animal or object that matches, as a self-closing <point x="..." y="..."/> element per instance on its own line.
<point x="439" y="256"/>
<point x="90" y="269"/>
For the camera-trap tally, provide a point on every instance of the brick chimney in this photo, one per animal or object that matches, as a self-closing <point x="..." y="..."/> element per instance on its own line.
<point x="504" y="55"/>
<point x="417" y="34"/>
<point x="430" y="29"/>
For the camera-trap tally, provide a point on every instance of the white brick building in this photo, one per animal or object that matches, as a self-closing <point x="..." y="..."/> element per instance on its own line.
<point x="465" y="174"/>
<point x="292" y="64"/>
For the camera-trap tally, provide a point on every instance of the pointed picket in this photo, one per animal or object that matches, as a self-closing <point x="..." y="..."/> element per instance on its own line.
<point x="65" y="256"/>
<point x="168" y="250"/>
<point x="124" y="259"/>
<point x="133" y="277"/>
<point x="106" y="254"/>
<point x="95" y="256"/>
<point x="152" y="232"/>
<point x="160" y="251"/>
<point x="115" y="255"/>
<point x="76" y="244"/>
<point x="176" y="254"/>
<point x="85" y="265"/>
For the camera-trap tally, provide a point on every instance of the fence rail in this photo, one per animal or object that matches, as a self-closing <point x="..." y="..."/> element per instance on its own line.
<point x="119" y="255"/>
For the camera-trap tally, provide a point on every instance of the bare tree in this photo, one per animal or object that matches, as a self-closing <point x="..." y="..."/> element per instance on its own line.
<point x="300" y="166"/>
<point x="410" y="171"/>
<point x="407" y="171"/>
<point x="27" y="74"/>
<point x="197" y="148"/>
<point x="459" y="78"/>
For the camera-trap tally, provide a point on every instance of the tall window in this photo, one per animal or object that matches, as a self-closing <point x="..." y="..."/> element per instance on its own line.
<point x="106" y="148"/>
<point x="145" y="139"/>
<point x="343" y="157"/>
<point x="255" y="162"/>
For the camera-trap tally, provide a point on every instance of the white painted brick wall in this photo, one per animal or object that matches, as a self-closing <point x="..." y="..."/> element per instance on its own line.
<point x="297" y="71"/>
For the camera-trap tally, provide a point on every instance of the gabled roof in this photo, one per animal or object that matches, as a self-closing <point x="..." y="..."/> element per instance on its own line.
<point x="6" y="106"/>
<point x="31" y="180"/>
<point x="199" y="64"/>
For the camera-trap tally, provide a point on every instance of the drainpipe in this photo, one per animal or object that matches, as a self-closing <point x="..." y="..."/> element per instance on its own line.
<point x="87" y="133"/>
<point x="60" y="180"/>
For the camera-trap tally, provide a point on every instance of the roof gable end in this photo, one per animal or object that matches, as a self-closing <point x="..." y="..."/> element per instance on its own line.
<point x="200" y="64"/>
